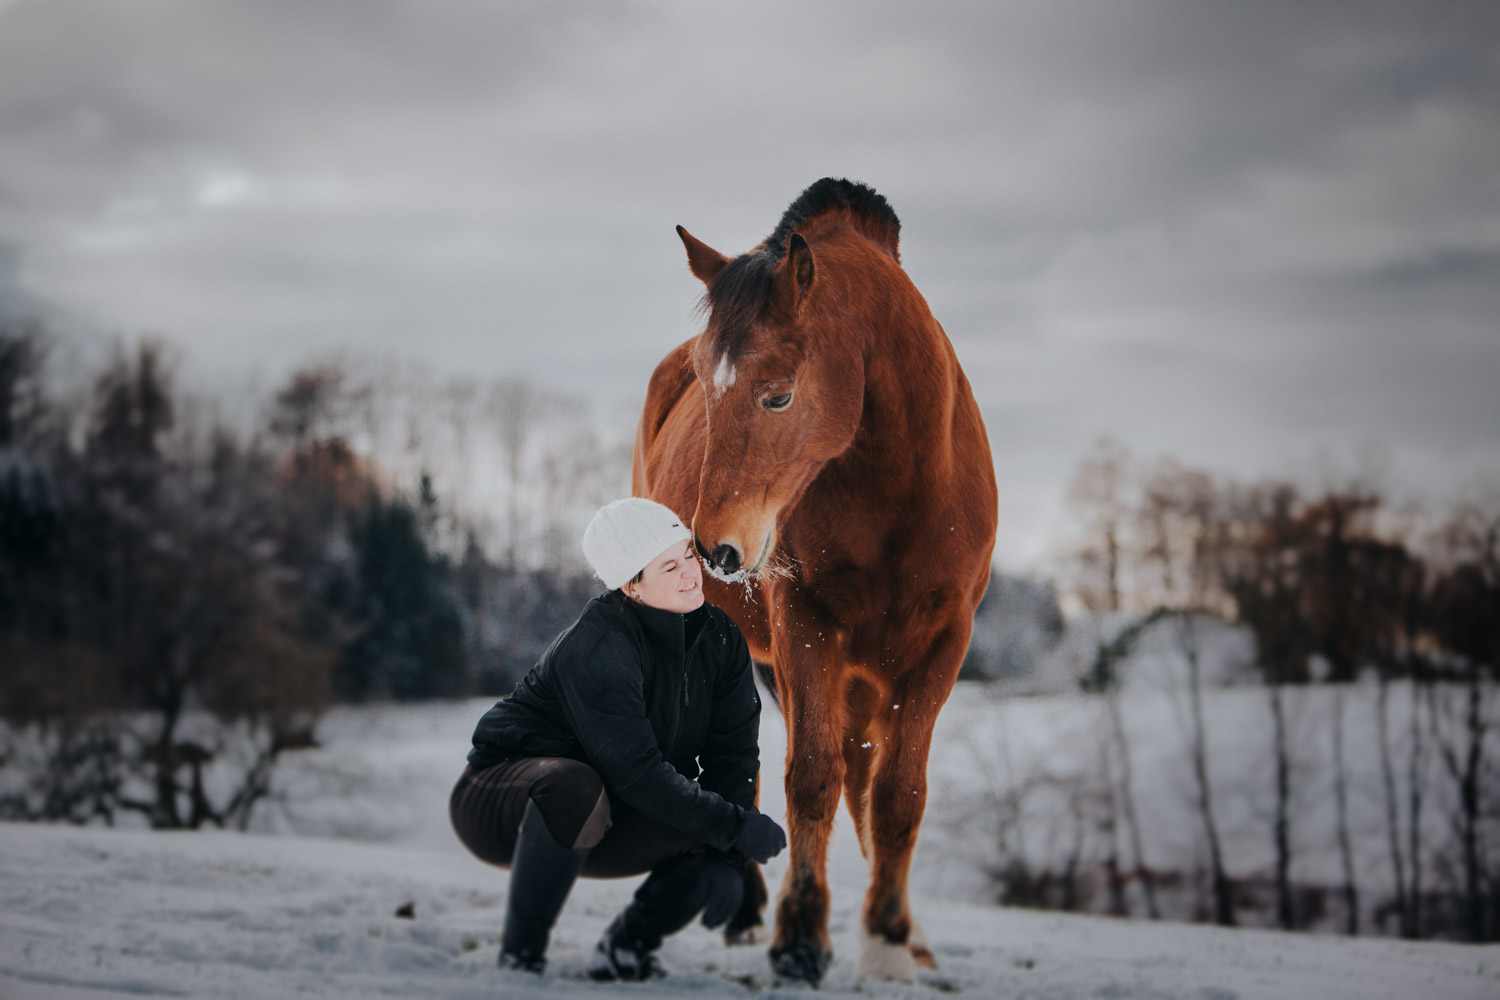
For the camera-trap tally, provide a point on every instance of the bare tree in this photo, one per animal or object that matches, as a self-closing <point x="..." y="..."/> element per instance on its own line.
<point x="1412" y="621"/>
<point x="1098" y="495"/>
<point x="1260" y="572"/>
<point x="458" y="404"/>
<point x="1338" y="606"/>
<point x="1416" y="781"/>
<point x="1401" y="585"/>
<point x="1126" y="788"/>
<point x="1181" y="534"/>
<point x="310" y="406"/>
<point x="1466" y="613"/>
<point x="516" y="407"/>
<point x="1341" y="802"/>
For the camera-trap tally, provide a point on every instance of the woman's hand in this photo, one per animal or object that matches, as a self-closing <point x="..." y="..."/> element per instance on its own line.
<point x="721" y="887"/>
<point x="761" y="839"/>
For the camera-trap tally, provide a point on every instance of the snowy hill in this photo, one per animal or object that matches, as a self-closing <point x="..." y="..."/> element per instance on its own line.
<point x="306" y="905"/>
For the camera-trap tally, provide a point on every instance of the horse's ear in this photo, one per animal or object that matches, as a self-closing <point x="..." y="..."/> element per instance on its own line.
<point x="800" y="260"/>
<point x="794" y="278"/>
<point x="703" y="260"/>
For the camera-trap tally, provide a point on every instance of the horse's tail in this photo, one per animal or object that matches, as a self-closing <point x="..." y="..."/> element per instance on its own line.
<point x="670" y="380"/>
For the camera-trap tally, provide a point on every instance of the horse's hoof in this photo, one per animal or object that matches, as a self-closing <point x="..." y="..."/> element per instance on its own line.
<point x="801" y="960"/>
<point x="884" y="962"/>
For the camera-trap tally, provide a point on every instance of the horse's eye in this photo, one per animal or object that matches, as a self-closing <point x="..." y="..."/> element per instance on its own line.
<point x="780" y="402"/>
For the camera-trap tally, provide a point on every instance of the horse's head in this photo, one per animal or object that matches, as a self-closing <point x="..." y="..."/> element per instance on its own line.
<point x="784" y="384"/>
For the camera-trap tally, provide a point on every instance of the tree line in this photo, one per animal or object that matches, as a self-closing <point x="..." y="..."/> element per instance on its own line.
<point x="1343" y="593"/>
<point x="182" y="596"/>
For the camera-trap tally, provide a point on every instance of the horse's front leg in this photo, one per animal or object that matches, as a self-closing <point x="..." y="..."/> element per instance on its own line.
<point x="808" y="682"/>
<point x="892" y="944"/>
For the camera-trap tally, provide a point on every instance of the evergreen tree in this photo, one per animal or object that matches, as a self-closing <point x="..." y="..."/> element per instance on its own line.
<point x="412" y="645"/>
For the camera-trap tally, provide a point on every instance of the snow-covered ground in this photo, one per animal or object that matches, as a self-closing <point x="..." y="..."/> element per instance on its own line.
<point x="306" y="905"/>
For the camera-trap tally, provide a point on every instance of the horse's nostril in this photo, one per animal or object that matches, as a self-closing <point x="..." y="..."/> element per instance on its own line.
<point x="727" y="558"/>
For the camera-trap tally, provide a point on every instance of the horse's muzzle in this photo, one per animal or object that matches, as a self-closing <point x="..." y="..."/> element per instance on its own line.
<point x="724" y="558"/>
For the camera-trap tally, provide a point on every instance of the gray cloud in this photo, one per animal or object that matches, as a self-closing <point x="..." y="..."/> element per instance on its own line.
<point x="1244" y="234"/>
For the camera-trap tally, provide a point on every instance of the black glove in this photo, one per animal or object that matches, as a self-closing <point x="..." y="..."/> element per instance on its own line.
<point x="761" y="839"/>
<point x="720" y="889"/>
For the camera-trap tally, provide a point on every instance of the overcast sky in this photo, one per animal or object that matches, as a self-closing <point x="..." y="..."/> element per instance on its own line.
<point x="1261" y="237"/>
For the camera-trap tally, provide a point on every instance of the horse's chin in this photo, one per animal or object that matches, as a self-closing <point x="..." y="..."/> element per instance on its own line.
<point x="738" y="576"/>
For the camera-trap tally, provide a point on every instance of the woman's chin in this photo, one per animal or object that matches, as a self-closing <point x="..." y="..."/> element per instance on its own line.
<point x="691" y="600"/>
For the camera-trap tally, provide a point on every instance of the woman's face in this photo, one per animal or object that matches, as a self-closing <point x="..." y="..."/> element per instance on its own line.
<point x="673" y="581"/>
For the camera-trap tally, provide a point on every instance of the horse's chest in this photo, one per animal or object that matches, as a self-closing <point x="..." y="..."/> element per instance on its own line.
<point x="879" y="623"/>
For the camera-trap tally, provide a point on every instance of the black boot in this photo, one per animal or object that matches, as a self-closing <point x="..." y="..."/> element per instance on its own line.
<point x="541" y="873"/>
<point x="664" y="904"/>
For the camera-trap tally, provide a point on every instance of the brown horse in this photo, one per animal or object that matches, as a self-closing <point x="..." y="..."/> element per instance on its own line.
<point x="826" y="444"/>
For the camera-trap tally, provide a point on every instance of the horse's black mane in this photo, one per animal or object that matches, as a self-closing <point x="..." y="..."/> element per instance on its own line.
<point x="830" y="194"/>
<point x="739" y="293"/>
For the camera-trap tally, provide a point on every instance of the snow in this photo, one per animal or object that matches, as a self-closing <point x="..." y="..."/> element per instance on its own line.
<point x="100" y="913"/>
<point x="305" y="904"/>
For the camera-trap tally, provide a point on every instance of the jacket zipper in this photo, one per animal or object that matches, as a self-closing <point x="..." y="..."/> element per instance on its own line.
<point x="687" y="659"/>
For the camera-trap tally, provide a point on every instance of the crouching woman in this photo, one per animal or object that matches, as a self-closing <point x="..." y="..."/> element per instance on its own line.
<point x="631" y="747"/>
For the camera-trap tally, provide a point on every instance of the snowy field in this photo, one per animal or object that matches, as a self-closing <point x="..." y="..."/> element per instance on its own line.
<point x="306" y="906"/>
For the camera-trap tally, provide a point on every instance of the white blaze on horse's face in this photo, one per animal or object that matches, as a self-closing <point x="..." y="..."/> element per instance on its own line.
<point x="724" y="375"/>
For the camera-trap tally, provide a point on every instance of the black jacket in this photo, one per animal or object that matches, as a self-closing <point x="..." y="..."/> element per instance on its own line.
<point x="651" y="700"/>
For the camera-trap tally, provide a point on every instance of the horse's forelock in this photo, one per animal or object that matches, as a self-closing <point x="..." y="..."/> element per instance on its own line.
<point x="737" y="300"/>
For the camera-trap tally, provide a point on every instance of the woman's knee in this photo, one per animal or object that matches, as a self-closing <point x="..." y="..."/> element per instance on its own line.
<point x="571" y="798"/>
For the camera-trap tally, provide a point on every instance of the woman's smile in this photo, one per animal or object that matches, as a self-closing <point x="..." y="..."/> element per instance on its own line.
<point x="673" y="581"/>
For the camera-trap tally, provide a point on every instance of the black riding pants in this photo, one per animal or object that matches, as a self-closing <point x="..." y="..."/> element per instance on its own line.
<point x="487" y="805"/>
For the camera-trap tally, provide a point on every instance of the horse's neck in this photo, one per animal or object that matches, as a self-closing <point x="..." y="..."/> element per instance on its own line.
<point x="911" y="378"/>
<point x="905" y="431"/>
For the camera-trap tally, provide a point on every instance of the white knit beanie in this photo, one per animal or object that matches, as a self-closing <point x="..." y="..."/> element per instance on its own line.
<point x="626" y="535"/>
